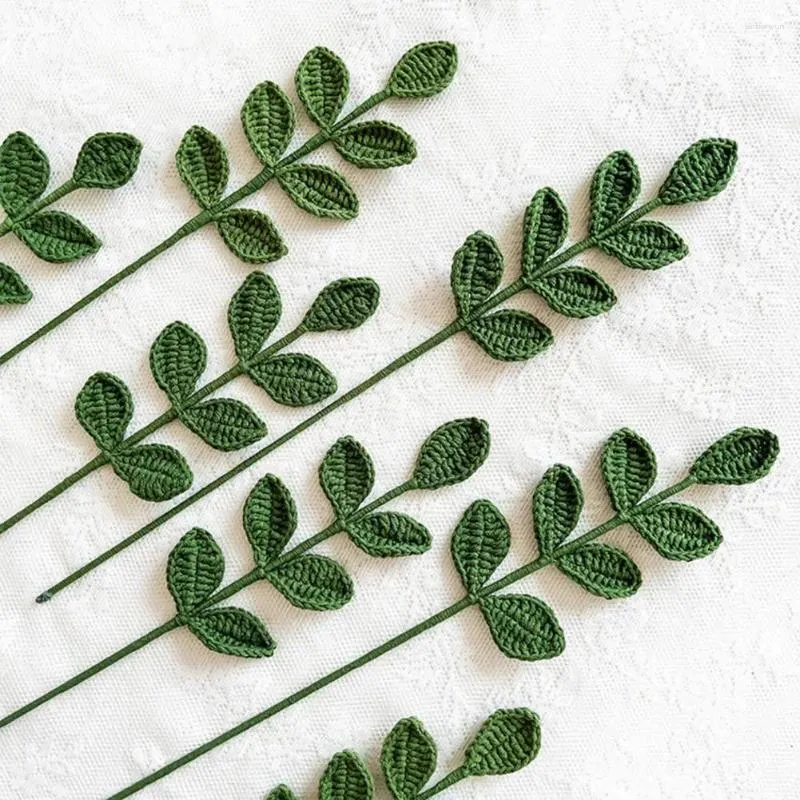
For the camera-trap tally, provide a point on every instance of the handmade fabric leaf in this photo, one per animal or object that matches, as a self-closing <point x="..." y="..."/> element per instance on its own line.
<point x="251" y="236"/>
<point x="203" y="165"/>
<point x="253" y="313"/>
<point x="543" y="231"/>
<point x="452" y="453"/>
<point x="557" y="506"/>
<point x="224" y="423"/>
<point x="346" y="778"/>
<point x="319" y="190"/>
<point x="24" y="172"/>
<point x="268" y="120"/>
<point x="743" y="456"/>
<point x="107" y="161"/>
<point x="322" y="83"/>
<point x="270" y="519"/>
<point x="615" y="187"/>
<point x="343" y="305"/>
<point x="153" y="472"/>
<point x="57" y="237"/>
<point x="678" y="532"/>
<point x="575" y="292"/>
<point x="194" y="569"/>
<point x="523" y="627"/>
<point x="511" y="335"/>
<point x="293" y="379"/>
<point x="104" y="408"/>
<point x="408" y="759"/>
<point x="629" y="468"/>
<point x="480" y="543"/>
<point x="389" y="534"/>
<point x="375" y="144"/>
<point x="314" y="582"/>
<point x="12" y="288"/>
<point x="508" y="741"/>
<point x="602" y="570"/>
<point x="476" y="273"/>
<point x="425" y="70"/>
<point x="346" y="475"/>
<point x="177" y="360"/>
<point x="282" y="792"/>
<point x="700" y="172"/>
<point x="645" y="245"/>
<point x="232" y="632"/>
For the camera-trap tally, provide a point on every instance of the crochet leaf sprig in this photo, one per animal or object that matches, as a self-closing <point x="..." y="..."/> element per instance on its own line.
<point x="269" y="118"/>
<point x="106" y="161"/>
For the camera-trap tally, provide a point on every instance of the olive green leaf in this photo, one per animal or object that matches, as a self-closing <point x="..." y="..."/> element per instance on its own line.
<point x="177" y="360"/>
<point x="268" y="120"/>
<point x="615" y="187"/>
<point x="104" y="408"/>
<point x="203" y="165"/>
<point x="270" y="519"/>
<point x="346" y="778"/>
<point x="253" y="313"/>
<point x="194" y="569"/>
<point x="12" y="288"/>
<point x="700" y="172"/>
<point x="678" y="532"/>
<point x="543" y="231"/>
<point x="346" y="475"/>
<point x="476" y="272"/>
<point x="508" y="741"/>
<point x="293" y="379"/>
<point x="602" y="570"/>
<point x="57" y="237"/>
<point x="742" y="456"/>
<point x="511" y="335"/>
<point x="425" y="70"/>
<point x="224" y="423"/>
<point x="343" y="305"/>
<point x="107" y="161"/>
<point x="232" y="632"/>
<point x="153" y="472"/>
<point x="575" y="292"/>
<point x="629" y="468"/>
<point x="314" y="582"/>
<point x="320" y="190"/>
<point x="375" y="144"/>
<point x="557" y="506"/>
<point x="645" y="245"/>
<point x="250" y="235"/>
<point x="452" y="453"/>
<point x="523" y="627"/>
<point x="408" y="759"/>
<point x="388" y="534"/>
<point x="480" y="543"/>
<point x="322" y="83"/>
<point x="282" y="792"/>
<point x="24" y="172"/>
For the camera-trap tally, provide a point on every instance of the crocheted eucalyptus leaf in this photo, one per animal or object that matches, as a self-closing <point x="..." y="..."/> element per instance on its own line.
<point x="425" y="70"/>
<point x="322" y="82"/>
<point x="104" y="407"/>
<point x="389" y="534"/>
<point x="375" y="144"/>
<point x="523" y="627"/>
<point x="313" y="582"/>
<point x="224" y="423"/>
<point x="203" y="165"/>
<point x="194" y="569"/>
<point x="232" y="632"/>
<point x="645" y="245"/>
<point x="678" y="532"/>
<point x="575" y="292"/>
<point x="177" y="360"/>
<point x="293" y="379"/>
<point x="13" y="290"/>
<point x="253" y="314"/>
<point x="743" y="456"/>
<point x="250" y="235"/>
<point x="543" y="231"/>
<point x="346" y="778"/>
<point x="629" y="468"/>
<point x="615" y="187"/>
<point x="270" y="519"/>
<point x="602" y="570"/>
<point x="452" y="453"/>
<point x="343" y="305"/>
<point x="57" y="237"/>
<point x="281" y="792"/>
<point x="508" y="741"/>
<point x="24" y="172"/>
<point x="481" y="541"/>
<point x="408" y="759"/>
<point x="476" y="273"/>
<point x="346" y="475"/>
<point x="107" y="161"/>
<point x="320" y="190"/>
<point x="701" y="171"/>
<point x="557" y="507"/>
<point x="511" y="335"/>
<point x="154" y="472"/>
<point x="268" y="120"/>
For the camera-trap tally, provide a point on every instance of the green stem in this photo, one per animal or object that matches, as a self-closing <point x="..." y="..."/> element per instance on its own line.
<point x="60" y="191"/>
<point x="445" y="783"/>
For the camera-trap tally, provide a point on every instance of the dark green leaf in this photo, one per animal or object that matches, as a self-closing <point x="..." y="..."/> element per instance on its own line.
<point x="322" y="83"/>
<point x="615" y="187"/>
<point x="107" y="160"/>
<point x="293" y="379"/>
<point x="253" y="313"/>
<point x="270" y="518"/>
<point x="343" y="305"/>
<point x="233" y="632"/>
<point x="319" y="190"/>
<point x="375" y="144"/>
<point x="629" y="468"/>
<point x="268" y="120"/>
<point x="408" y="759"/>
<point x="575" y="292"/>
<point x="12" y="288"/>
<point x="480" y="543"/>
<point x="388" y="534"/>
<point x="511" y="335"/>
<point x="452" y="453"/>
<point x="508" y="741"/>
<point x="742" y="456"/>
<point x="602" y="570"/>
<point x="57" y="237"/>
<point x="314" y="582"/>
<point x="104" y="408"/>
<point x="346" y="778"/>
<point x="700" y="172"/>
<point x="543" y="231"/>
<point x="476" y="272"/>
<point x="194" y="569"/>
<point x="251" y="235"/>
<point x="557" y="506"/>
<point x="153" y="471"/>
<point x="177" y="360"/>
<point x="346" y="475"/>
<point x="203" y="165"/>
<point x="425" y="70"/>
<point x="224" y="423"/>
<point x="24" y="172"/>
<point x="645" y="245"/>
<point x="523" y="627"/>
<point x="282" y="792"/>
<point x="678" y="532"/>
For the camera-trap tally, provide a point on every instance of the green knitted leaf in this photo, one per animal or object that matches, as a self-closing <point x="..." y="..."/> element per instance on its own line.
<point x="742" y="456"/>
<point x="232" y="632"/>
<point x="253" y="313"/>
<point x="425" y="70"/>
<point x="282" y="792"/>
<point x="314" y="582"/>
<point x="645" y="245"/>
<point x="177" y="360"/>
<point x="57" y="237"/>
<point x="615" y="187"/>
<point x="104" y="408"/>
<point x="346" y="475"/>
<point x="388" y="534"/>
<point x="678" y="532"/>
<point x="346" y="778"/>
<point x="107" y="160"/>
<point x="250" y="235"/>
<point x="575" y="292"/>
<point x="153" y="472"/>
<point x="375" y="144"/>
<point x="408" y="759"/>
<point x="602" y="570"/>
<point x="203" y="165"/>
<point x="322" y="83"/>
<point x="24" y="172"/>
<point x="701" y="171"/>
<point x="452" y="453"/>
<point x="543" y="231"/>
<point x="194" y="569"/>
<point x="476" y="272"/>
<point x="557" y="506"/>
<point x="319" y="190"/>
<point x="293" y="379"/>
<point x="343" y="305"/>
<point x="511" y="335"/>
<point x="480" y="543"/>
<point x="270" y="519"/>
<point x="629" y="468"/>
<point x="224" y="423"/>
<point x="268" y="120"/>
<point x="508" y="741"/>
<point x="523" y="627"/>
<point x="12" y="288"/>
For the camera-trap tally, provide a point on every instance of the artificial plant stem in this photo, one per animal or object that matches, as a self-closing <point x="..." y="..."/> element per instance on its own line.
<point x="445" y="783"/>
<point x="60" y="191"/>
